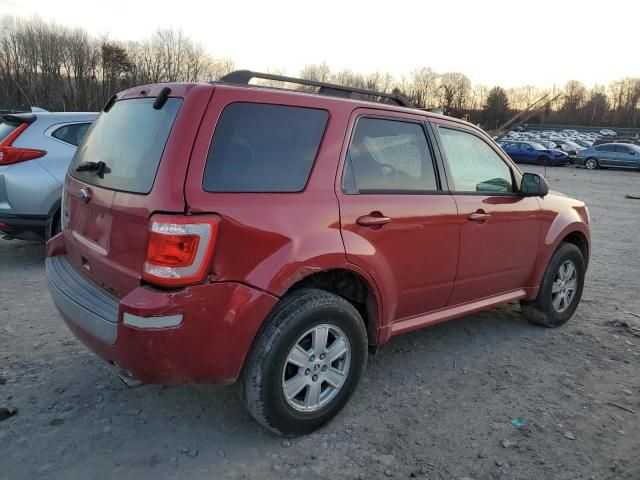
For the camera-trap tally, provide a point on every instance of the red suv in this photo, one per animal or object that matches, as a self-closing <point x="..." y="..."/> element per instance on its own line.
<point x="225" y="231"/>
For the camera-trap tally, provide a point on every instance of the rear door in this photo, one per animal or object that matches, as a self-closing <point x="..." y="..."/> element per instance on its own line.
<point x="131" y="164"/>
<point x="397" y="221"/>
<point x="499" y="228"/>
<point x="626" y="156"/>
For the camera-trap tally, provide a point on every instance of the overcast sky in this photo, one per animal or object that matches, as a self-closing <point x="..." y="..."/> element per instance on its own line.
<point x="494" y="42"/>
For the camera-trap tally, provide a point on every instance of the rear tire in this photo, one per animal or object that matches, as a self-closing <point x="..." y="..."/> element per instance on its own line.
<point x="591" y="163"/>
<point x="561" y="288"/>
<point x="55" y="227"/>
<point x="291" y="383"/>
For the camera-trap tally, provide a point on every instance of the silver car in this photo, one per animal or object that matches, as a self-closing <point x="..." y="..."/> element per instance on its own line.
<point x="621" y="155"/>
<point x="35" y="152"/>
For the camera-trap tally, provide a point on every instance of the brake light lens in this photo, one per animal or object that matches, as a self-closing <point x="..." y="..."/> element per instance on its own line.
<point x="10" y="155"/>
<point x="179" y="249"/>
<point x="166" y="250"/>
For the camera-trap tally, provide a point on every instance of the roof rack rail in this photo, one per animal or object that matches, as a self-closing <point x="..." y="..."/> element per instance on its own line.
<point x="243" y="77"/>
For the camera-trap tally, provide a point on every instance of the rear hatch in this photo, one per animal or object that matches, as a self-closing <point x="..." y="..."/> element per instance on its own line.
<point x="131" y="164"/>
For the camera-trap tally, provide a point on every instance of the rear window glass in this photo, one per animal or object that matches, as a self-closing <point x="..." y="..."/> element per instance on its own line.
<point x="129" y="139"/>
<point x="72" y="133"/>
<point x="263" y="148"/>
<point x="6" y="128"/>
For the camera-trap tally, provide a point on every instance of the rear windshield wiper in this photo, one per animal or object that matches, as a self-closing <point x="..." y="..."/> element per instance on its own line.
<point x="99" y="167"/>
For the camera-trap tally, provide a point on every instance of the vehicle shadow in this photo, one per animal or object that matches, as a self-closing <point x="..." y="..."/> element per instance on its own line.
<point x="18" y="254"/>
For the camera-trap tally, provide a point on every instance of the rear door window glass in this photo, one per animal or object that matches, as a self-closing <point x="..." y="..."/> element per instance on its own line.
<point x="129" y="139"/>
<point x="263" y="148"/>
<point x="388" y="156"/>
<point x="72" y="133"/>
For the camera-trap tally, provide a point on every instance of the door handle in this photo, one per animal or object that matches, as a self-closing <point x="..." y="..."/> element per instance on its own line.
<point x="479" y="217"/>
<point x="374" y="219"/>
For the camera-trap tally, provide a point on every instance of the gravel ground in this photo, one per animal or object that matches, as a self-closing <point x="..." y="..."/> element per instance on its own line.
<point x="435" y="404"/>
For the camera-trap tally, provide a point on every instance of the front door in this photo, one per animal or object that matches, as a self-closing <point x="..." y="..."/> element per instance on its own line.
<point x="397" y="222"/>
<point x="607" y="155"/>
<point x="499" y="228"/>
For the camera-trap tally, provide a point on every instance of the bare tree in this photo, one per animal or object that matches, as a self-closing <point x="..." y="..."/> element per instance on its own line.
<point x="61" y="68"/>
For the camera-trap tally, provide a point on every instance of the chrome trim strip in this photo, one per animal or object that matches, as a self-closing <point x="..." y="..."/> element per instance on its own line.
<point x="151" y="322"/>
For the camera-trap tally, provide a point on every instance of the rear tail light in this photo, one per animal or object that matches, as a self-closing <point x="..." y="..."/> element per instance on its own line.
<point x="10" y="155"/>
<point x="179" y="249"/>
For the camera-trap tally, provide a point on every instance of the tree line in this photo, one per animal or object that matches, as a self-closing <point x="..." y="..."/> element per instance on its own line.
<point x="60" y="68"/>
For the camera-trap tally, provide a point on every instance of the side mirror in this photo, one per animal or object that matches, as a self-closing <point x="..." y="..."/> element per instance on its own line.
<point x="533" y="185"/>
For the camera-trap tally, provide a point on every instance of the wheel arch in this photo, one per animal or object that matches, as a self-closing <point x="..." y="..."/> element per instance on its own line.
<point x="348" y="282"/>
<point x="579" y="239"/>
<point x="570" y="226"/>
<point x="53" y="216"/>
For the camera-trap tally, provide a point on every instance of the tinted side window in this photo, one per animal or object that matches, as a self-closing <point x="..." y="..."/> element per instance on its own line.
<point x="72" y="134"/>
<point x="388" y="155"/>
<point x="623" y="149"/>
<point x="263" y="148"/>
<point x="474" y="165"/>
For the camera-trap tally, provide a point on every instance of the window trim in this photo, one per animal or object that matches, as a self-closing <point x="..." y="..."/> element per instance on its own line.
<point x="54" y="128"/>
<point x="431" y="150"/>
<point x="516" y="174"/>
<point x="273" y="104"/>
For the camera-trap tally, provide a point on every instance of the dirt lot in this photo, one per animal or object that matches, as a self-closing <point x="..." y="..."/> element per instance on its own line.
<point x="435" y="404"/>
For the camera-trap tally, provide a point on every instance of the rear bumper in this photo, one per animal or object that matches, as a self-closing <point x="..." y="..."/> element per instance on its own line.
<point x="26" y="227"/>
<point x="199" y="334"/>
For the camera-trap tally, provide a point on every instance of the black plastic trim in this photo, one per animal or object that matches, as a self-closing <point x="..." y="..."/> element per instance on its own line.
<point x="80" y="289"/>
<point x="243" y="77"/>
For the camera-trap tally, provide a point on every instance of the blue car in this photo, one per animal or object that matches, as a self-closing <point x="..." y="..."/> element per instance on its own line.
<point x="533" y="152"/>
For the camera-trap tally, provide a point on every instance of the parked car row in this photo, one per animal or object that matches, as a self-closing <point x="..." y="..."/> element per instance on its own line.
<point x="35" y="152"/>
<point x="589" y="149"/>
<point x="567" y="140"/>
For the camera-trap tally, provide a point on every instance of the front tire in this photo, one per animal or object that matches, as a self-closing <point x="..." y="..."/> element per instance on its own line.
<point x="561" y="288"/>
<point x="544" y="161"/>
<point x="306" y="362"/>
<point x="591" y="164"/>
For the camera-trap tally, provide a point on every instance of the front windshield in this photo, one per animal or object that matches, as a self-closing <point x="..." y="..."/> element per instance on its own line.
<point x="537" y="146"/>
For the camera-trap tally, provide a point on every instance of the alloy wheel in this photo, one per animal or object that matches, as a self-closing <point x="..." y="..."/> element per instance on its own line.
<point x="316" y="368"/>
<point x="565" y="285"/>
